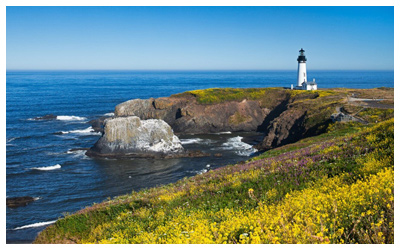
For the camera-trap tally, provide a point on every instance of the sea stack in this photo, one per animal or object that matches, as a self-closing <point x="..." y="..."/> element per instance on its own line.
<point x="132" y="137"/>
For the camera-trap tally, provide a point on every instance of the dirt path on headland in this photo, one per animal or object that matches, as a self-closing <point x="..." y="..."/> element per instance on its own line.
<point x="371" y="103"/>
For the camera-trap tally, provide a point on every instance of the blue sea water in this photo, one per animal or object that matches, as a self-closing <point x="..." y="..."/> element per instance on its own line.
<point x="40" y="163"/>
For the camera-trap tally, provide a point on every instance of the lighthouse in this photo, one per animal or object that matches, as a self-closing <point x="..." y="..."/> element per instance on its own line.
<point x="302" y="73"/>
<point x="301" y="69"/>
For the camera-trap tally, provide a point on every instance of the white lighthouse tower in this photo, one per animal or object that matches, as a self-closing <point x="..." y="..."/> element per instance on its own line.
<point x="302" y="74"/>
<point x="301" y="69"/>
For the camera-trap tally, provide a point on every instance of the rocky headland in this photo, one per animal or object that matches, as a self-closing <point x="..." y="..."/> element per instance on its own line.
<point x="283" y="115"/>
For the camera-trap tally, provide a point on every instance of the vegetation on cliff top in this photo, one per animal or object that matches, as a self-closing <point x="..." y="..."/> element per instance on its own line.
<point x="267" y="96"/>
<point x="333" y="188"/>
<point x="317" y="106"/>
<point x="219" y="95"/>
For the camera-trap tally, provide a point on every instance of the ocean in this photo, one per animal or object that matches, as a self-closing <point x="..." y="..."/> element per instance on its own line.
<point x="41" y="162"/>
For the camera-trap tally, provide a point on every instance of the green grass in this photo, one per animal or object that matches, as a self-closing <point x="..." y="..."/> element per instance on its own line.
<point x="219" y="95"/>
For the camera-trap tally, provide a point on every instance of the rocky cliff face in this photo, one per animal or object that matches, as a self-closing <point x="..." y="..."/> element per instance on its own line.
<point x="131" y="137"/>
<point x="185" y="115"/>
<point x="285" y="116"/>
<point x="286" y="128"/>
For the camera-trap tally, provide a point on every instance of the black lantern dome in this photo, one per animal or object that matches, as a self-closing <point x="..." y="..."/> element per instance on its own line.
<point x="302" y="57"/>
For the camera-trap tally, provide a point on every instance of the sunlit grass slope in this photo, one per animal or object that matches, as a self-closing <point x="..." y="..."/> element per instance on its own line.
<point x="334" y="188"/>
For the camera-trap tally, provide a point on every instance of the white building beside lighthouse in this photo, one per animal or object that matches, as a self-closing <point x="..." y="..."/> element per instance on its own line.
<point x="302" y="73"/>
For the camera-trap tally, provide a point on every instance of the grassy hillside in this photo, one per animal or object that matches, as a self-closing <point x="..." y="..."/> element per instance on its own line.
<point x="333" y="188"/>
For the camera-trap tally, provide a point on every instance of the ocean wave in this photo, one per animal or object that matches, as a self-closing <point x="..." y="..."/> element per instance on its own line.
<point x="57" y="166"/>
<point x="78" y="153"/>
<point x="70" y="118"/>
<point x="224" y="133"/>
<point x="201" y="171"/>
<point x="86" y="131"/>
<point x="240" y="148"/>
<point x="109" y="114"/>
<point x="195" y="140"/>
<point x="12" y="139"/>
<point x="38" y="224"/>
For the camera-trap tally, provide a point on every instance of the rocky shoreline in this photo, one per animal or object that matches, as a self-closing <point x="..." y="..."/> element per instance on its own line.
<point x="282" y="115"/>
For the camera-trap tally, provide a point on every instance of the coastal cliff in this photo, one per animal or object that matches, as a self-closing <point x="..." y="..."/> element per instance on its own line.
<point x="283" y="115"/>
<point x="185" y="115"/>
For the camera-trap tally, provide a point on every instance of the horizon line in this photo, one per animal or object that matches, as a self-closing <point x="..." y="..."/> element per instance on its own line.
<point x="195" y="69"/>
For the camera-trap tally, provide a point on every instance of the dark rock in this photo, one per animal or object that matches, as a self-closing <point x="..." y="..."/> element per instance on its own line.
<point x="19" y="201"/>
<point x="286" y="128"/>
<point x="46" y="117"/>
<point x="98" y="124"/>
<point x="218" y="155"/>
<point x="196" y="153"/>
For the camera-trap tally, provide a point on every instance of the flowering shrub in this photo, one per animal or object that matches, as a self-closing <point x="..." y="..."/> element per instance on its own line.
<point x="324" y="190"/>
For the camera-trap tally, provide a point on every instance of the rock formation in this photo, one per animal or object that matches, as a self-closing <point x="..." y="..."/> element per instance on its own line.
<point x="19" y="201"/>
<point x="132" y="137"/>
<point x="185" y="115"/>
<point x="284" y="116"/>
<point x="45" y="117"/>
<point x="286" y="128"/>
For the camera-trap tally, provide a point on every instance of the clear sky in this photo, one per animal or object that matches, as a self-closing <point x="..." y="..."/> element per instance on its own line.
<point x="199" y="38"/>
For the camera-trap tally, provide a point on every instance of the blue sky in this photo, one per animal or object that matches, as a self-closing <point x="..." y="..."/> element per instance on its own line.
<point x="199" y="38"/>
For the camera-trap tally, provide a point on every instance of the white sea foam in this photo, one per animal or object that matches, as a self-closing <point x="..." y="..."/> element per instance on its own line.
<point x="191" y="141"/>
<point x="70" y="118"/>
<point x="86" y="131"/>
<point x="109" y="114"/>
<point x="196" y="140"/>
<point x="78" y="153"/>
<point x="224" y="133"/>
<point x="241" y="148"/>
<point x="38" y="224"/>
<point x="11" y="139"/>
<point x="57" y="166"/>
<point x="201" y="171"/>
